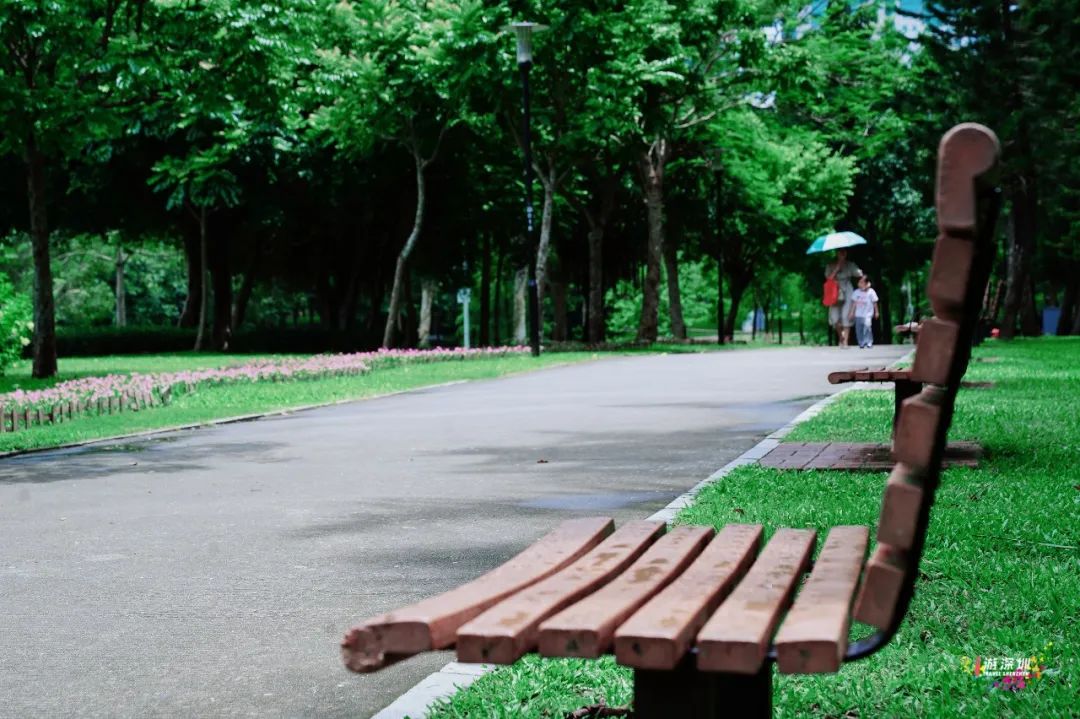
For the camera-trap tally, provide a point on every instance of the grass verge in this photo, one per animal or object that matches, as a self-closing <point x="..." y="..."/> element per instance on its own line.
<point x="212" y="403"/>
<point x="1000" y="576"/>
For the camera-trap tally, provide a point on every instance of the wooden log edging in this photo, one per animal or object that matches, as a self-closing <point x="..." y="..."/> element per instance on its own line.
<point x="14" y="418"/>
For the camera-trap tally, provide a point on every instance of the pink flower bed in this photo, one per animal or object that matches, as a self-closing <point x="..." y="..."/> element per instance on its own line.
<point x="159" y="386"/>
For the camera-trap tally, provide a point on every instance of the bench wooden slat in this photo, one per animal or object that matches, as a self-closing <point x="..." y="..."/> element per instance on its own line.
<point x="842" y="376"/>
<point x="950" y="275"/>
<point x="736" y="638"/>
<point x="433" y="622"/>
<point x="965" y="153"/>
<point x="502" y="634"/>
<point x="813" y="637"/>
<point x="659" y="634"/>
<point x="883" y="374"/>
<point x="900" y="508"/>
<point x="938" y="344"/>
<point x="586" y="629"/>
<point x="882" y="582"/>
<point x="917" y="428"/>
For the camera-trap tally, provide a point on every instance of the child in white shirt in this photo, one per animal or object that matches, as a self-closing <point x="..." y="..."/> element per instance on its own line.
<point x="864" y="309"/>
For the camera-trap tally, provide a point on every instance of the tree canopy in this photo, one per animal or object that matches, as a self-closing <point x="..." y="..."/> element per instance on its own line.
<point x="346" y="165"/>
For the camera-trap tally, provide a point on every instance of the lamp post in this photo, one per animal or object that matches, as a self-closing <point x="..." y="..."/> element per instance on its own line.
<point x="716" y="164"/>
<point x="523" y="32"/>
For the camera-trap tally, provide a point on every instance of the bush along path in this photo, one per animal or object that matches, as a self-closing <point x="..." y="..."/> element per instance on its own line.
<point x="114" y="393"/>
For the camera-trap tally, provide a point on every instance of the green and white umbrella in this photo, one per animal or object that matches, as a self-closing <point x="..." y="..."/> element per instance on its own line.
<point x="835" y="241"/>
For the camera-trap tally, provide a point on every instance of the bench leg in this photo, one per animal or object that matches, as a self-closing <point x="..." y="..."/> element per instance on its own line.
<point x="686" y="692"/>
<point x="903" y="388"/>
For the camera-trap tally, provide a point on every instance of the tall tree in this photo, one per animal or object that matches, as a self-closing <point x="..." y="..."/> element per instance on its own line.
<point x="398" y="74"/>
<point x="1013" y="66"/>
<point x="58" y="64"/>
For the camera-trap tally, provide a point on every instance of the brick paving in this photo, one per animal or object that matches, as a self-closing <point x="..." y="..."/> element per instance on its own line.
<point x="857" y="456"/>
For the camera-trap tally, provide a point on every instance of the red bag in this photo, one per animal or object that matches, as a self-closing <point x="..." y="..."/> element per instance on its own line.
<point x="831" y="294"/>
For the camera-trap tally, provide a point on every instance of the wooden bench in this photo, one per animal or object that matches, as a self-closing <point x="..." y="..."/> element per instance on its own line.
<point x="701" y="616"/>
<point x="908" y="329"/>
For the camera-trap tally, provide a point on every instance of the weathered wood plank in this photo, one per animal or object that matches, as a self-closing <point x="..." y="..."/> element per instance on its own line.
<point x="813" y="637"/>
<point x="867" y="374"/>
<point x="586" y="629"/>
<point x="502" y="634"/>
<point x="916" y="430"/>
<point x="736" y="638"/>
<point x="659" y="635"/>
<point x="965" y="153"/>
<point x="842" y="376"/>
<point x="951" y="272"/>
<point x="432" y="623"/>
<point x="900" y="507"/>
<point x="882" y="582"/>
<point x="938" y="344"/>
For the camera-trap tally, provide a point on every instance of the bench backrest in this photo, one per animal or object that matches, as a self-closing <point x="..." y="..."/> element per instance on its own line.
<point x="967" y="202"/>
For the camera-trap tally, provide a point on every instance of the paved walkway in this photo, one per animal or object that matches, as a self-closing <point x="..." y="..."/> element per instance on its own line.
<point x="211" y="572"/>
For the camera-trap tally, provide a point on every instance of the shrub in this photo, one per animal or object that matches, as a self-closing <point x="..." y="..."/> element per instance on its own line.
<point x="16" y="324"/>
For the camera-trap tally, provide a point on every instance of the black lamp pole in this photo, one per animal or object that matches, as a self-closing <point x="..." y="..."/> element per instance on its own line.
<point x="523" y="31"/>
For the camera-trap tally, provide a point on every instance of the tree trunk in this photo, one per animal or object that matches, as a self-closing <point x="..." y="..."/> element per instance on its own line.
<point x="885" y="323"/>
<point x="1021" y="237"/>
<point x="558" y="297"/>
<point x="201" y="333"/>
<point x="671" y="267"/>
<point x="239" y="310"/>
<point x="410" y="322"/>
<point x="521" y="281"/>
<point x="721" y="334"/>
<point x="427" y="300"/>
<point x="543" y="248"/>
<point x="496" y="321"/>
<point x="44" y="343"/>
<point x="738" y="288"/>
<point x="1030" y="320"/>
<point x="485" y="290"/>
<point x="1069" y="305"/>
<point x="121" y="291"/>
<point x="403" y="256"/>
<point x="595" y="330"/>
<point x="652" y="177"/>
<point x="189" y="316"/>
<point x="347" y="314"/>
<point x="718" y="230"/>
<point x="221" y="277"/>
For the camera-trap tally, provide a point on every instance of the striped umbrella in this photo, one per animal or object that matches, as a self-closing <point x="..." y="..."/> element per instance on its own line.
<point x="835" y="241"/>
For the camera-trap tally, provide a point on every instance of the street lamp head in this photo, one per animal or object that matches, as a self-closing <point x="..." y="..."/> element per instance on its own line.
<point x="523" y="32"/>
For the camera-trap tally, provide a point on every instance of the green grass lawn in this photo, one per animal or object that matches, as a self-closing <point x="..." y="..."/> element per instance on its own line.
<point x="210" y="403"/>
<point x="1000" y="576"/>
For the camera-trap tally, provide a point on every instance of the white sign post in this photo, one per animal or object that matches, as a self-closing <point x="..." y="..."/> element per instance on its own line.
<point x="463" y="296"/>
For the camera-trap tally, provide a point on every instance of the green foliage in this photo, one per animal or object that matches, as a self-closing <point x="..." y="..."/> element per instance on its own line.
<point x="15" y="323"/>
<point x="296" y="129"/>
<point x="697" y="280"/>
<point x="399" y="72"/>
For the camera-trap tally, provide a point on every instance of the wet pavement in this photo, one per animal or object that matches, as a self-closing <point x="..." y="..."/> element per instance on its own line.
<point x="211" y="572"/>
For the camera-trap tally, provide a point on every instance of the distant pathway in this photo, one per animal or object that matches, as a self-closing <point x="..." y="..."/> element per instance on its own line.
<point x="211" y="572"/>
